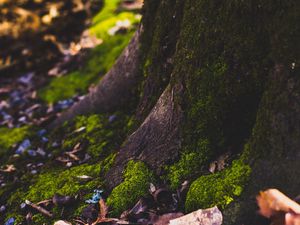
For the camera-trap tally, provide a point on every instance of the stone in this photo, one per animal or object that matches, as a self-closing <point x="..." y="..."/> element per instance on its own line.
<point x="211" y="216"/>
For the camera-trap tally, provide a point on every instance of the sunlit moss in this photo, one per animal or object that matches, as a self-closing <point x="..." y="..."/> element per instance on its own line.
<point x="218" y="189"/>
<point x="9" y="137"/>
<point x="64" y="182"/>
<point x="189" y="165"/>
<point x="100" y="59"/>
<point x="102" y="135"/>
<point x="109" y="9"/>
<point x="137" y="178"/>
<point x="101" y="30"/>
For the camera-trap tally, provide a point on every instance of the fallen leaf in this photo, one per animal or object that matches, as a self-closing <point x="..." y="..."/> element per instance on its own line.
<point x="273" y="201"/>
<point x="8" y="169"/>
<point x="103" y="209"/>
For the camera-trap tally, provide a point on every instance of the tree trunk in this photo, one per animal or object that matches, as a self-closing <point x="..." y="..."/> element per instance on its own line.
<point x="216" y="77"/>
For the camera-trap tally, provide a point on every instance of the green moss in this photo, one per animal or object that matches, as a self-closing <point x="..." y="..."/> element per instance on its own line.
<point x="189" y="165"/>
<point x="135" y="185"/>
<point x="39" y="219"/>
<point x="9" y="137"/>
<point x="100" y="59"/>
<point x="101" y="136"/>
<point x="107" y="163"/>
<point x="218" y="189"/>
<point x="99" y="62"/>
<point x="101" y="29"/>
<point x="64" y="182"/>
<point x="109" y="9"/>
<point x="18" y="218"/>
<point x="223" y="67"/>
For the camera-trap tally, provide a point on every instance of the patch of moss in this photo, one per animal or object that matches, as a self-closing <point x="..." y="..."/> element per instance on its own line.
<point x="11" y="136"/>
<point x="135" y="185"/>
<point x="101" y="29"/>
<point x="57" y="181"/>
<point x="101" y="135"/>
<point x="99" y="62"/>
<point x="108" y="10"/>
<point x="107" y="163"/>
<point x="218" y="189"/>
<point x="223" y="67"/>
<point x="64" y="182"/>
<point x="39" y="219"/>
<point x="18" y="218"/>
<point x="189" y="165"/>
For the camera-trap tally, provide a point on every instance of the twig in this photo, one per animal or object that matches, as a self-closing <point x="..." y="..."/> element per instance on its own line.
<point x="39" y="208"/>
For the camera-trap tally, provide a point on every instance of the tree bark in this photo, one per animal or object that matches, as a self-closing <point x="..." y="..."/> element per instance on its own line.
<point x="220" y="91"/>
<point x="156" y="142"/>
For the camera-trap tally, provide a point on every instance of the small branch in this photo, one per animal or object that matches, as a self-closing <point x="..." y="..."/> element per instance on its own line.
<point x="39" y="208"/>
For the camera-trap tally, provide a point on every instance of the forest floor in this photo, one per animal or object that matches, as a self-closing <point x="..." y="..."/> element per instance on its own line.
<point x="51" y="53"/>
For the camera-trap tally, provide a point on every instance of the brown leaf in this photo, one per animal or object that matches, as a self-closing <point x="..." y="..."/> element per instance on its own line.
<point x="103" y="209"/>
<point x="8" y="169"/>
<point x="273" y="201"/>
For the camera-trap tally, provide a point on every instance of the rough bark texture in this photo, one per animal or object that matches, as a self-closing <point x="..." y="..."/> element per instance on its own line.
<point x="156" y="142"/>
<point x="114" y="90"/>
<point x="274" y="146"/>
<point x="219" y="76"/>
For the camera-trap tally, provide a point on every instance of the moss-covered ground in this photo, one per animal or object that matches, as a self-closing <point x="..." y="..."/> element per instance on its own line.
<point x="9" y="137"/>
<point x="101" y="135"/>
<point x="99" y="59"/>
<point x="223" y="68"/>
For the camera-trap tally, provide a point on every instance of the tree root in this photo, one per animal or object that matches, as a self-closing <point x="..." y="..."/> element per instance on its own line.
<point x="156" y="142"/>
<point x="115" y="88"/>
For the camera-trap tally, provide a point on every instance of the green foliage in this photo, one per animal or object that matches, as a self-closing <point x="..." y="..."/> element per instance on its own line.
<point x="218" y="189"/>
<point x="135" y="185"/>
<point x="64" y="182"/>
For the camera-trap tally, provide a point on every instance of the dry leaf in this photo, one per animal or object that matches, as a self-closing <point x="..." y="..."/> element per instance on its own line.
<point x="8" y="169"/>
<point x="103" y="209"/>
<point x="273" y="201"/>
<point x="292" y="219"/>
